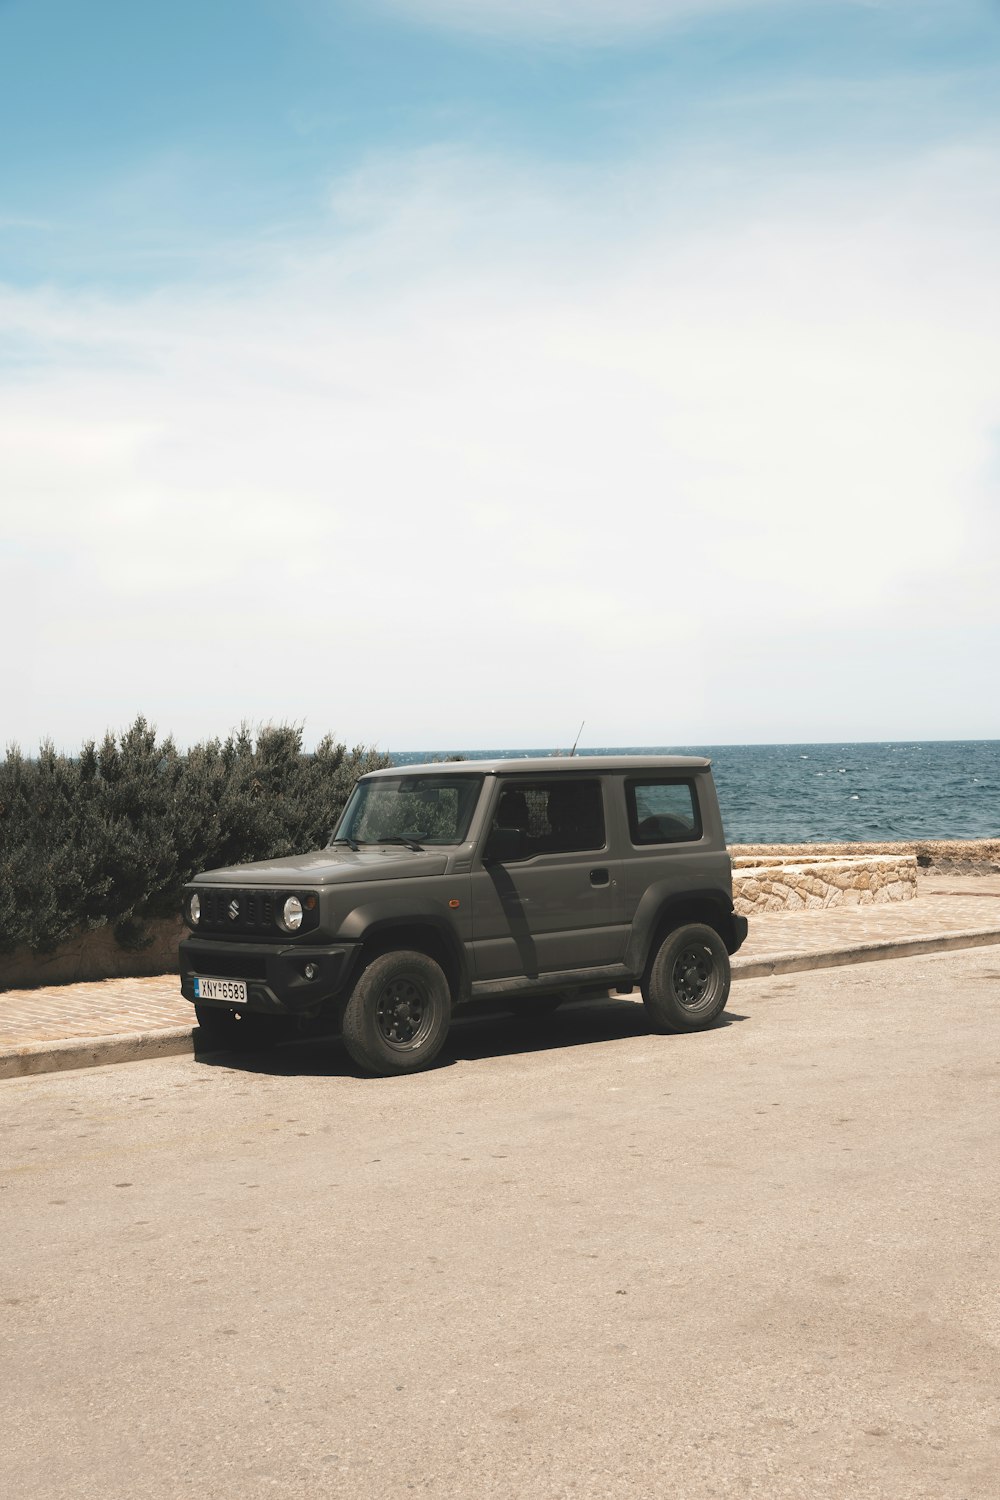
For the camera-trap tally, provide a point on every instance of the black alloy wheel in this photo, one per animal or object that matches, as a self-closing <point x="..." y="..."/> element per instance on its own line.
<point x="398" y="1014"/>
<point x="688" y="981"/>
<point x="692" y="975"/>
<point x="404" y="1013"/>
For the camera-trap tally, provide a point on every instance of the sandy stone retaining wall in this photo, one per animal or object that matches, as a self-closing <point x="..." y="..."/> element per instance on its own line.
<point x="799" y="877"/>
<point x="944" y="856"/>
<point x="93" y="955"/>
<point x="770" y="883"/>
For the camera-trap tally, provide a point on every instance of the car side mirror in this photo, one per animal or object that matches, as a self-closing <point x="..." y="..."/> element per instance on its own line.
<point x="503" y="845"/>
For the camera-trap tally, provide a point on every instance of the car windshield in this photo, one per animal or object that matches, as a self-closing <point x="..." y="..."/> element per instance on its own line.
<point x="413" y="809"/>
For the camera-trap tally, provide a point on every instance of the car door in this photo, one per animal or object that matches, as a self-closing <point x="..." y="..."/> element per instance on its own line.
<point x="558" y="906"/>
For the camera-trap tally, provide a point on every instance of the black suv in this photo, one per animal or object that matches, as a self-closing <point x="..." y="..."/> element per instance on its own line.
<point x="526" y="881"/>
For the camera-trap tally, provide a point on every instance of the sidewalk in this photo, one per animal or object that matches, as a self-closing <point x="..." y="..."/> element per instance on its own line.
<point x="44" y="1029"/>
<point x="946" y="906"/>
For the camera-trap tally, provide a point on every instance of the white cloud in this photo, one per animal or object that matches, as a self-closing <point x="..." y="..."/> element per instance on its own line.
<point x="499" y="452"/>
<point x="586" y="21"/>
<point x="581" y="17"/>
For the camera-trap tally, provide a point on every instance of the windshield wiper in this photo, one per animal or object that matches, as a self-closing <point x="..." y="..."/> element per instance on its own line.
<point x="354" y="844"/>
<point x="408" y="843"/>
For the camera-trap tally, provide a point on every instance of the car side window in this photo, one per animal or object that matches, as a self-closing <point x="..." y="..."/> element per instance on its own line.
<point x="561" y="816"/>
<point x="662" y="812"/>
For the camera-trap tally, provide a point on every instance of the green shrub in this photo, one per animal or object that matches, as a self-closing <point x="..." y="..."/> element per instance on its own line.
<point x="111" y="835"/>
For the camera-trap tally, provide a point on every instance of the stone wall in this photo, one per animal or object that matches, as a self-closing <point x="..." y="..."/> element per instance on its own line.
<point x="947" y="856"/>
<point x="93" y="955"/>
<point x="800" y="877"/>
<point x="775" y="882"/>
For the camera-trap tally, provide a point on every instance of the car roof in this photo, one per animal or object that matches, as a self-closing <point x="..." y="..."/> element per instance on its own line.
<point x="550" y="764"/>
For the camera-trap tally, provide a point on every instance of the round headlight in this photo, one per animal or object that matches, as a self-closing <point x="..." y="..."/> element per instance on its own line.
<point x="194" y="909"/>
<point x="292" y="913"/>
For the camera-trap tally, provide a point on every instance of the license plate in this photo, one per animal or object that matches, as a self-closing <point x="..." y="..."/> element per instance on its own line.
<point x="232" y="990"/>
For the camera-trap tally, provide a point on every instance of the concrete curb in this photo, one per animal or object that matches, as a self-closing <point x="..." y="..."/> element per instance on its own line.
<point x="94" y="1052"/>
<point x="862" y="953"/>
<point x="98" y="1052"/>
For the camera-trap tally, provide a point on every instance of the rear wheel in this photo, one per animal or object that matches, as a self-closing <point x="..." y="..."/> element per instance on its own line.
<point x="688" y="982"/>
<point x="398" y="1016"/>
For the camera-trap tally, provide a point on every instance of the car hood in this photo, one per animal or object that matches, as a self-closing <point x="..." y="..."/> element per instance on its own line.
<point x="339" y="866"/>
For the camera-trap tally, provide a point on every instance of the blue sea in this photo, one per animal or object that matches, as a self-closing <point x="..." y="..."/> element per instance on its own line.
<point x="814" y="794"/>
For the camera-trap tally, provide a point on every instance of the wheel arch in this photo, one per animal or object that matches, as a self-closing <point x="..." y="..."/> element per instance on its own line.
<point x="377" y="930"/>
<point x="659" y="913"/>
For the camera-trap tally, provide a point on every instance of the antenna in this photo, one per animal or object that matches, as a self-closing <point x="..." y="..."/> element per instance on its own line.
<point x="578" y="734"/>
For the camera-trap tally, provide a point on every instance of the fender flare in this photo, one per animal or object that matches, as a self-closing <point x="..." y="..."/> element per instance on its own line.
<point x="660" y="902"/>
<point x="373" y="919"/>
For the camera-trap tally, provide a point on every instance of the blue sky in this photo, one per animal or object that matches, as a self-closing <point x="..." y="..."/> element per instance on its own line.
<point x="448" y="371"/>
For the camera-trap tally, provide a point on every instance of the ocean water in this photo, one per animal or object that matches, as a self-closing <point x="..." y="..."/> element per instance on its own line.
<point x="810" y="794"/>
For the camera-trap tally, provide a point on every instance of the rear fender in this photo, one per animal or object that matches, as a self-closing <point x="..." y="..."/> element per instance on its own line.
<point x="661" y="910"/>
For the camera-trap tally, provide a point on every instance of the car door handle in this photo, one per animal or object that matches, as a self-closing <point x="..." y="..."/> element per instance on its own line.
<point x="600" y="877"/>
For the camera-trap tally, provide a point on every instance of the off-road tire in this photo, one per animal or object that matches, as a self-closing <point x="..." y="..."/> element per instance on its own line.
<point x="398" y="1015"/>
<point x="687" y="985"/>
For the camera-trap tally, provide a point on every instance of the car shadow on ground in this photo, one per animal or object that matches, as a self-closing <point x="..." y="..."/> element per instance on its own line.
<point x="479" y="1031"/>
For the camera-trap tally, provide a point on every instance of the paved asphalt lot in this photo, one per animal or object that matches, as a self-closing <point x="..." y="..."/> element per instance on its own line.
<point x="575" y="1260"/>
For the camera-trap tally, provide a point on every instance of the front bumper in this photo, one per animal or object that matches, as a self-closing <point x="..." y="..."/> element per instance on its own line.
<point x="274" y="976"/>
<point x="740" y="929"/>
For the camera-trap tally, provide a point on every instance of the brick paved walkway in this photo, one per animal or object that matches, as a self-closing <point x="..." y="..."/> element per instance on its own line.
<point x="104" y="1008"/>
<point x="945" y="904"/>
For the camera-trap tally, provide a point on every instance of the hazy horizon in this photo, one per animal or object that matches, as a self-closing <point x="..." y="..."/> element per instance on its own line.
<point x="585" y="747"/>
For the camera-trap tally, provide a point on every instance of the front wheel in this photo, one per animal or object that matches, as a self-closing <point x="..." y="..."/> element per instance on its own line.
<point x="398" y="1015"/>
<point x="688" y="982"/>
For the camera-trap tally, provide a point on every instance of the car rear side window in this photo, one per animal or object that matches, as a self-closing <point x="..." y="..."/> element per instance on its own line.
<point x="662" y="812"/>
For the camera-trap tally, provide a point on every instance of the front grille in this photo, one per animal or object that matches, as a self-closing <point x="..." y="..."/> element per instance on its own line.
<point x="236" y="964"/>
<point x="254" y="911"/>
